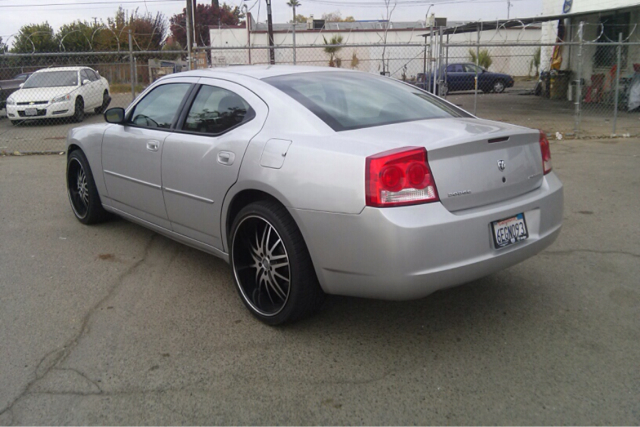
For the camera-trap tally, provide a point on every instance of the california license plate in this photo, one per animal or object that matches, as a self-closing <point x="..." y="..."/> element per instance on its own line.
<point x="31" y="112"/>
<point x="509" y="231"/>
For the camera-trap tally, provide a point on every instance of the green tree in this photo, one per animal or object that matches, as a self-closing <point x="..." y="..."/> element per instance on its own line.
<point x="3" y="47"/>
<point x="205" y="15"/>
<point x="535" y="62"/>
<point x="300" y="19"/>
<point x="337" y="17"/>
<point x="35" y="38"/>
<point x="148" y="31"/>
<point x="484" y="60"/>
<point x="173" y="46"/>
<point x="293" y="4"/>
<point x="332" y="50"/>
<point x="77" y="36"/>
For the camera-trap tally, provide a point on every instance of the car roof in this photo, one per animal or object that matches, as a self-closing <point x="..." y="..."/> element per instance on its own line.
<point x="45" y="70"/>
<point x="260" y="71"/>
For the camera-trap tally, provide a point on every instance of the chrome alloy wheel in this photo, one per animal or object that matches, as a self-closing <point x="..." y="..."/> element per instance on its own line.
<point x="78" y="188"/>
<point x="261" y="265"/>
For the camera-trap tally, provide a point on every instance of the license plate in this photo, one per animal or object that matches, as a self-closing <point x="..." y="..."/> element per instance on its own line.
<point x="509" y="231"/>
<point x="31" y="112"/>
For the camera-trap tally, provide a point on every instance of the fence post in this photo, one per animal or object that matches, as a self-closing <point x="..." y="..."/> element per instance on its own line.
<point x="440" y="62"/>
<point x="576" y="128"/>
<point x="475" y="93"/>
<point x="617" y="94"/>
<point x="133" y="85"/>
<point x="424" y="70"/>
<point x="446" y="65"/>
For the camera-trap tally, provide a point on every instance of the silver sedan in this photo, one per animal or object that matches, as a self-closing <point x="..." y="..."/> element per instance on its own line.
<point x="313" y="181"/>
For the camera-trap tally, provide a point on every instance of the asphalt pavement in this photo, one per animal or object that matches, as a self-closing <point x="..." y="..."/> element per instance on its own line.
<point x="113" y="324"/>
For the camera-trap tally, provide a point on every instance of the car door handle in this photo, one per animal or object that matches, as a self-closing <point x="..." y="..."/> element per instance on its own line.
<point x="153" y="145"/>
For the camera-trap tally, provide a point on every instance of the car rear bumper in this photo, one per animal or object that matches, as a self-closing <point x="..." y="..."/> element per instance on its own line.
<point x="410" y="252"/>
<point x="44" y="111"/>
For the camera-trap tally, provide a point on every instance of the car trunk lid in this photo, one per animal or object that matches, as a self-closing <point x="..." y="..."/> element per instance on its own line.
<point x="474" y="162"/>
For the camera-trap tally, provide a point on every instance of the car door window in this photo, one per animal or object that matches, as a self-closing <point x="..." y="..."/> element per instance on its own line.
<point x="216" y="110"/>
<point x="159" y="107"/>
<point x="92" y="75"/>
<point x="455" y="68"/>
<point x="472" y="69"/>
<point x="84" y="76"/>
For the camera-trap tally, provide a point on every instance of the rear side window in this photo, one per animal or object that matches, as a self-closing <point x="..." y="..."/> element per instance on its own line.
<point x="346" y="101"/>
<point x="216" y="110"/>
<point x="159" y="107"/>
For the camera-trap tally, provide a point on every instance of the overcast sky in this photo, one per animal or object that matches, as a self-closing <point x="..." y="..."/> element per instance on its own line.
<point x="64" y="11"/>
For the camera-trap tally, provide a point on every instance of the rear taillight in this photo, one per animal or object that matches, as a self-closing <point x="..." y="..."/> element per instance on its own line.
<point x="400" y="177"/>
<point x="546" y="153"/>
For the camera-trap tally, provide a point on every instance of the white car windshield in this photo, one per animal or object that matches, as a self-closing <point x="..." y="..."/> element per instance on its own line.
<point x="346" y="101"/>
<point x="52" y="79"/>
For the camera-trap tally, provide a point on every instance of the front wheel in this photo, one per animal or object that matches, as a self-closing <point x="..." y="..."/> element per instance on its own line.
<point x="78" y="112"/>
<point x="106" y="99"/>
<point x="82" y="191"/>
<point x="498" y="86"/>
<point x="272" y="267"/>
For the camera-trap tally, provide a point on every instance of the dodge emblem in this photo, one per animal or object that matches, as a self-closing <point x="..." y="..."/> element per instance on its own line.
<point x="502" y="165"/>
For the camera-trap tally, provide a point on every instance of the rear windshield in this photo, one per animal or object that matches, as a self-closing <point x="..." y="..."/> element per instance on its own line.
<point x="52" y="79"/>
<point x="346" y="101"/>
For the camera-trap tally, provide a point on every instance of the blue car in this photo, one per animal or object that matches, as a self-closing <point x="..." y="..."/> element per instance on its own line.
<point x="461" y="76"/>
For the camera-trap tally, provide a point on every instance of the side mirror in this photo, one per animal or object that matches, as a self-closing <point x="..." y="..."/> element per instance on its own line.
<point x="114" y="115"/>
<point x="85" y="82"/>
<point x="21" y="84"/>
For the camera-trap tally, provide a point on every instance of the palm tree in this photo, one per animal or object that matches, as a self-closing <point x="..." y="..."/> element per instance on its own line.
<point x="293" y="4"/>
<point x="331" y="49"/>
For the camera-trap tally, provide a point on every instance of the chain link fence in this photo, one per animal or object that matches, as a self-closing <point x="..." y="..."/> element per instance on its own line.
<point x="594" y="94"/>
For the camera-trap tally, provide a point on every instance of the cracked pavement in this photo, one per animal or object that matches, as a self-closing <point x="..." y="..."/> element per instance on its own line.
<point x="113" y="324"/>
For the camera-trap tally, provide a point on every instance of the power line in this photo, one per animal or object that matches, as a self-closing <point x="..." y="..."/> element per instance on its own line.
<point x="400" y="3"/>
<point x="88" y="3"/>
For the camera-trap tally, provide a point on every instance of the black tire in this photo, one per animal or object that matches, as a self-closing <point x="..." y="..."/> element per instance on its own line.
<point x="498" y="86"/>
<point x="14" y="122"/>
<point x="106" y="99"/>
<point x="82" y="191"/>
<point x="78" y="112"/>
<point x="274" y="292"/>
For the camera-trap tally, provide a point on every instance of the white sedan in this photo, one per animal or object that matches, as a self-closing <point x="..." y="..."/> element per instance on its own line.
<point x="59" y="92"/>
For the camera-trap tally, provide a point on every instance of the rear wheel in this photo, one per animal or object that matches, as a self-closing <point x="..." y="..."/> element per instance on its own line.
<point x="82" y="191"/>
<point x="272" y="267"/>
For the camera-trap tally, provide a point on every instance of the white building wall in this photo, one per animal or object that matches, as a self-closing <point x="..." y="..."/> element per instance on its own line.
<point x="510" y="60"/>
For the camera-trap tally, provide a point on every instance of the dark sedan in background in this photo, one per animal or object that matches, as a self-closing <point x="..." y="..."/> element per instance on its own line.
<point x="461" y="76"/>
<point x="7" y="87"/>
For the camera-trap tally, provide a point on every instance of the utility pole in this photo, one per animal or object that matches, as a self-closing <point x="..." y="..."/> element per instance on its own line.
<point x="294" y="33"/>
<point x="188" y="22"/>
<point x="193" y="24"/>
<point x="508" y="8"/>
<point x="272" y="54"/>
